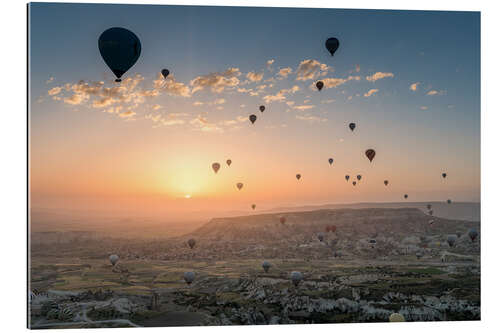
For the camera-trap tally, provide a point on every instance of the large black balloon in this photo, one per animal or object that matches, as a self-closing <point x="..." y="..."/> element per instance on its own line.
<point x="120" y="48"/>
<point x="165" y="73"/>
<point x="332" y="44"/>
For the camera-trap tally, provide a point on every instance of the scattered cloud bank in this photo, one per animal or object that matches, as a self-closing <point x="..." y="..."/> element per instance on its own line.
<point x="378" y="75"/>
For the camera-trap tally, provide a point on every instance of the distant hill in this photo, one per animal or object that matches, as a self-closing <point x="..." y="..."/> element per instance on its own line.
<point x="468" y="211"/>
<point x="350" y="223"/>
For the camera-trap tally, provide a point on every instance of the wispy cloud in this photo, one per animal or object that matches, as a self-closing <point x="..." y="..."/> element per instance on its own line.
<point x="217" y="82"/>
<point x="414" y="86"/>
<point x="255" y="77"/>
<point x="280" y="96"/>
<point x="370" y="92"/>
<point x="378" y="76"/>
<point x="311" y="69"/>
<point x="310" y="118"/>
<point x="284" y="72"/>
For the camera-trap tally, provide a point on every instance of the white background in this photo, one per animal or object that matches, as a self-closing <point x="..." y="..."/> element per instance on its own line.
<point x="13" y="153"/>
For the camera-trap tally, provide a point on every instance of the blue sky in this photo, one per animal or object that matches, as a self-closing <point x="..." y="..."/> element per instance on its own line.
<point x="416" y="132"/>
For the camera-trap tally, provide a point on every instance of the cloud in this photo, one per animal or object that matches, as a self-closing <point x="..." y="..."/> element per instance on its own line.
<point x="378" y="76"/>
<point x="424" y="108"/>
<point x="334" y="82"/>
<point x="310" y="69"/>
<point x="284" y="72"/>
<point x="414" y="86"/>
<point x="311" y="119"/>
<point x="280" y="96"/>
<point x="255" y="77"/>
<point x="198" y="103"/>
<point x="327" y="101"/>
<point x="171" y="86"/>
<point x="290" y="103"/>
<point x="156" y="107"/>
<point x="303" y="107"/>
<point x="435" y="92"/>
<point x="370" y="92"/>
<point x="54" y="91"/>
<point x="127" y="114"/>
<point x="217" y="82"/>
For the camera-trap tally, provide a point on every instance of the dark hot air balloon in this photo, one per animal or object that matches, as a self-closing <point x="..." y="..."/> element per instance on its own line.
<point x="215" y="167"/>
<point x="319" y="85"/>
<point x="228" y="162"/>
<point x="191" y="242"/>
<point x="262" y="108"/>
<point x="352" y="126"/>
<point x="120" y="48"/>
<point x="370" y="153"/>
<point x="165" y="73"/>
<point x="253" y="206"/>
<point x="386" y="182"/>
<point x="443" y="174"/>
<point x="347" y="178"/>
<point x="354" y="183"/>
<point x="266" y="265"/>
<point x="252" y="118"/>
<point x="406" y="196"/>
<point x="358" y="177"/>
<point x="239" y="186"/>
<point x="330" y="160"/>
<point x="332" y="44"/>
<point x="472" y="234"/>
<point x="298" y="176"/>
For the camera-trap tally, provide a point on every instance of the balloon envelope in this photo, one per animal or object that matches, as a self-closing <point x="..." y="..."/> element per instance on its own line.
<point x="239" y="186"/>
<point x="253" y="206"/>
<point x="215" y="167"/>
<point x="298" y="176"/>
<point x="262" y="108"/>
<point x="332" y="44"/>
<point x="252" y="118"/>
<point x="370" y="153"/>
<point x="443" y="174"/>
<point x="386" y="182"/>
<point x="406" y="196"/>
<point x="347" y="178"/>
<point x="120" y="48"/>
<point x="228" y="162"/>
<point x="165" y="73"/>
<point x="113" y="259"/>
<point x="266" y="265"/>
<point x="319" y="85"/>
<point x="358" y="177"/>
<point x="191" y="243"/>
<point x="354" y="183"/>
<point x="189" y="277"/>
<point x="296" y="277"/>
<point x="352" y="126"/>
<point x="330" y="160"/>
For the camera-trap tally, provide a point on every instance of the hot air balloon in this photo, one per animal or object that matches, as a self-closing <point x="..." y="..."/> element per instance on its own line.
<point x="354" y="183"/>
<point x="296" y="277"/>
<point x="298" y="176"/>
<point x="191" y="242"/>
<point x="358" y="177"/>
<point x="332" y="44"/>
<point x="239" y="186"/>
<point x="347" y="178"/>
<point x="429" y="206"/>
<point x="253" y="206"/>
<point x="452" y="239"/>
<point x="120" y="48"/>
<point x="396" y="318"/>
<point x="113" y="259"/>
<point x="189" y="277"/>
<point x="330" y="160"/>
<point x="262" y="108"/>
<point x="165" y="73"/>
<point x="228" y="162"/>
<point x="443" y="174"/>
<point x="406" y="196"/>
<point x="266" y="265"/>
<point x="321" y="236"/>
<point x="370" y="153"/>
<point x="352" y="126"/>
<point x="448" y="201"/>
<point x="282" y="220"/>
<point x="472" y="234"/>
<point x="386" y="182"/>
<point x="252" y="118"/>
<point x="215" y="167"/>
<point x="319" y="85"/>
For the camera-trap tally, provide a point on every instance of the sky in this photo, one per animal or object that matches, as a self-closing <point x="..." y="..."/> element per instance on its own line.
<point x="410" y="80"/>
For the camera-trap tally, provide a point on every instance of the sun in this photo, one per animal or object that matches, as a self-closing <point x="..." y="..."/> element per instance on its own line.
<point x="187" y="196"/>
